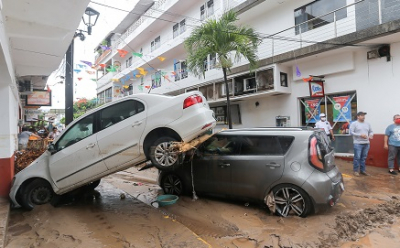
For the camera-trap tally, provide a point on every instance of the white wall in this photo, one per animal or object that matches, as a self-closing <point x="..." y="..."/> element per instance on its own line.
<point x="376" y="82"/>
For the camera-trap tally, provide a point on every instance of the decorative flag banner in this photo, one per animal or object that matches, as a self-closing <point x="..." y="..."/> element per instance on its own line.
<point x="308" y="79"/>
<point x="298" y="73"/>
<point x="48" y="89"/>
<point x="115" y="79"/>
<point x="81" y="66"/>
<point x="140" y="87"/>
<point x="90" y="72"/>
<point x="163" y="73"/>
<point x="137" y="54"/>
<point x="87" y="63"/>
<point x="112" y="69"/>
<point x="126" y="86"/>
<point x="103" y="65"/>
<point x="147" y="86"/>
<point x="161" y="58"/>
<point x="173" y="73"/>
<point x="341" y="105"/>
<point x="77" y="70"/>
<point x="166" y="77"/>
<point x="105" y="48"/>
<point x="138" y="75"/>
<point x="122" y="53"/>
<point x="79" y="78"/>
<point x="313" y="109"/>
<point x="93" y="79"/>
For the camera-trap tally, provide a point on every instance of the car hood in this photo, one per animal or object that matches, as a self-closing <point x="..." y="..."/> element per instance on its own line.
<point x="37" y="168"/>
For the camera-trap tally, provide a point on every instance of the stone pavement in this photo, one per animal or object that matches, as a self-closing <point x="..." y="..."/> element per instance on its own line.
<point x="4" y="213"/>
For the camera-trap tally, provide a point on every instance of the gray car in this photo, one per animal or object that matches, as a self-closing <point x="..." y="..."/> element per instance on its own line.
<point x="291" y="170"/>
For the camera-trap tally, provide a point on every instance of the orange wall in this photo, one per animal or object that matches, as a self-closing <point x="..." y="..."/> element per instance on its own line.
<point x="6" y="175"/>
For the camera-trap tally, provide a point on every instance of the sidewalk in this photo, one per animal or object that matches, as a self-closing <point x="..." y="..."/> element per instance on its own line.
<point x="4" y="213"/>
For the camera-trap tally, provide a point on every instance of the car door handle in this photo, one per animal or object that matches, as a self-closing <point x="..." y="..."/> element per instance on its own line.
<point x="223" y="165"/>
<point x="273" y="165"/>
<point x="90" y="146"/>
<point x="137" y="123"/>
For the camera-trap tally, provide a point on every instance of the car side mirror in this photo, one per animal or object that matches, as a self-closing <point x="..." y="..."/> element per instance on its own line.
<point x="51" y="148"/>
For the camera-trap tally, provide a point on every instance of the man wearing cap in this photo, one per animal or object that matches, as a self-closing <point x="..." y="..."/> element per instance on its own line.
<point x="392" y="143"/>
<point x="362" y="133"/>
<point x="324" y="124"/>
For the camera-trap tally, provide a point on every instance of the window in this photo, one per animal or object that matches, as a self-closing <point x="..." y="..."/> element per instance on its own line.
<point x="261" y="145"/>
<point x="265" y="79"/>
<point x="210" y="8"/>
<point x="202" y="12"/>
<point x="175" y="31"/>
<point x="283" y="79"/>
<point x="119" y="112"/>
<point x="129" y="62"/>
<point x="108" y="95"/>
<point x="317" y="9"/>
<point x="79" y="131"/>
<point x="156" y="79"/>
<point x="179" y="28"/>
<point x="180" y="69"/>
<point x="221" y="145"/>
<point x="156" y="43"/>
<point x="213" y="61"/>
<point x="221" y="114"/>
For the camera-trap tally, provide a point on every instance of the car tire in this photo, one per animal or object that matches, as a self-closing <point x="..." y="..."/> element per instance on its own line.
<point x="93" y="184"/>
<point x="172" y="185"/>
<point x="162" y="155"/>
<point x="291" y="200"/>
<point x="38" y="192"/>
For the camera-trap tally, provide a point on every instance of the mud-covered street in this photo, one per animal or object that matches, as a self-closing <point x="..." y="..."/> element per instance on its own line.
<point x="119" y="214"/>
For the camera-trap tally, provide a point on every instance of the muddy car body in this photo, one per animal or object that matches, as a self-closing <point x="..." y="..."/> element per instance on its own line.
<point x="111" y="138"/>
<point x="292" y="170"/>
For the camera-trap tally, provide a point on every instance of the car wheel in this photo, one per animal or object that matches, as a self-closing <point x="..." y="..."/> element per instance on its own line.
<point x="38" y="192"/>
<point x="163" y="155"/>
<point x="172" y="184"/>
<point x="291" y="200"/>
<point x="93" y="185"/>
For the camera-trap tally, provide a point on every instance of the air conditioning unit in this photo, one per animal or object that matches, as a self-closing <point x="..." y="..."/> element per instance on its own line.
<point x="25" y="87"/>
<point x="249" y="84"/>
<point x="382" y="51"/>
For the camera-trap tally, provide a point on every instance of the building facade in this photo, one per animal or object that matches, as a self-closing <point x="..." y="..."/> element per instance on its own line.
<point x="349" y="47"/>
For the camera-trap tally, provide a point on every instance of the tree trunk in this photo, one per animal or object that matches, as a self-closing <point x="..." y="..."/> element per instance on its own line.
<point x="228" y="101"/>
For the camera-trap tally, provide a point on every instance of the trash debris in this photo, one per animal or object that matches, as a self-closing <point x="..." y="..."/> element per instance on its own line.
<point x="25" y="157"/>
<point x="122" y="196"/>
<point x="246" y="204"/>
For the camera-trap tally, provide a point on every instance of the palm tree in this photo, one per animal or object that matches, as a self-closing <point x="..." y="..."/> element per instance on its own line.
<point x="226" y="39"/>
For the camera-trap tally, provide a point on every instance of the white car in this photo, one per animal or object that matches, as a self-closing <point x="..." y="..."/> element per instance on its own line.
<point x="111" y="138"/>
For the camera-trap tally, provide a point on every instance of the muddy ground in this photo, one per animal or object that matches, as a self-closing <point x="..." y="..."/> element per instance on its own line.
<point x="119" y="214"/>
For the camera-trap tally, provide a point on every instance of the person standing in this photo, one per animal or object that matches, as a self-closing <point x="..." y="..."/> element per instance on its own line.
<point x="362" y="133"/>
<point x="392" y="143"/>
<point x="324" y="124"/>
<point x="53" y="134"/>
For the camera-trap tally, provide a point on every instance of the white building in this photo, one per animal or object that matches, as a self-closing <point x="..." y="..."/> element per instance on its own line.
<point x="34" y="36"/>
<point x="335" y="40"/>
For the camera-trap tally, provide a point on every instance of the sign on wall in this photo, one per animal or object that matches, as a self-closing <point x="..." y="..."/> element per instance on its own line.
<point x="31" y="115"/>
<point x="39" y="98"/>
<point x="316" y="88"/>
<point x="341" y="108"/>
<point x="313" y="109"/>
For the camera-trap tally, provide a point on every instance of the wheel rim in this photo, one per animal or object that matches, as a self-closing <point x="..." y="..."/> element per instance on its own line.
<point x="289" y="201"/>
<point x="41" y="195"/>
<point x="173" y="185"/>
<point x="165" y="154"/>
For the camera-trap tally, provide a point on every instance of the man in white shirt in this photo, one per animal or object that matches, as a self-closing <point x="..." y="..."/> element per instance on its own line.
<point x="324" y="124"/>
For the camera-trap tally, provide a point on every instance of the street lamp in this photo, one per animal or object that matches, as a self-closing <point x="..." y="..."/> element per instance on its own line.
<point x="89" y="19"/>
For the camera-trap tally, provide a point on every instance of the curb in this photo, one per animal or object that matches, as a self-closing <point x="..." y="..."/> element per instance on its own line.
<point x="4" y="221"/>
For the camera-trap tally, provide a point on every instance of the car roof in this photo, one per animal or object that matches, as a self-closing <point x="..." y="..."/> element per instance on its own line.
<point x="269" y="130"/>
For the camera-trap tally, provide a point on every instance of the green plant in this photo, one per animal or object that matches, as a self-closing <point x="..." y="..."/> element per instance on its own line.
<point x="226" y="39"/>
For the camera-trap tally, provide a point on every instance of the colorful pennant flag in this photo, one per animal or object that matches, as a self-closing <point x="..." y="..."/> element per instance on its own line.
<point x="126" y="86"/>
<point x="122" y="53"/>
<point x="79" y="78"/>
<point x="90" y="72"/>
<point x="147" y="87"/>
<point x="77" y="70"/>
<point x="308" y="79"/>
<point x="87" y="63"/>
<point x="93" y="79"/>
<point x="81" y="66"/>
<point x="161" y="58"/>
<point x="112" y="69"/>
<point x="103" y="65"/>
<point x="298" y="73"/>
<point x="105" y="48"/>
<point x="137" y="54"/>
<point x="48" y="88"/>
<point x="115" y="79"/>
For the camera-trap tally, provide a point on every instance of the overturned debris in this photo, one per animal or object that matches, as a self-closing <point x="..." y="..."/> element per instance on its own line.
<point x="25" y="157"/>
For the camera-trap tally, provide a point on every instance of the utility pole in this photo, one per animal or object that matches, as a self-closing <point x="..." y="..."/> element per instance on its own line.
<point x="69" y="85"/>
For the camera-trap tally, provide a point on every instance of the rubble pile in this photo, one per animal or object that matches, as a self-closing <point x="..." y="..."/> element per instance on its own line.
<point x="26" y="157"/>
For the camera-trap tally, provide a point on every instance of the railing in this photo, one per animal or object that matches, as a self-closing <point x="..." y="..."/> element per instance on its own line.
<point x="345" y="20"/>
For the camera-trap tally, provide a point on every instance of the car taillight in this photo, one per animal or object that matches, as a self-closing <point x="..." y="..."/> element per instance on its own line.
<point x="192" y="100"/>
<point x="316" y="158"/>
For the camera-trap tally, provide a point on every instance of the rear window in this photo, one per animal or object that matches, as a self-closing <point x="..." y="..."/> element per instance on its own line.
<point x="261" y="145"/>
<point x="323" y="140"/>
